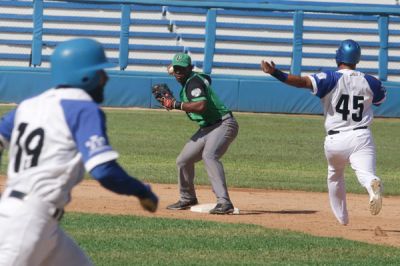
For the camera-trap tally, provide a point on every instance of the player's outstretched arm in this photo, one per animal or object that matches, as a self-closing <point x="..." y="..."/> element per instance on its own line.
<point x="113" y="177"/>
<point x="292" y="80"/>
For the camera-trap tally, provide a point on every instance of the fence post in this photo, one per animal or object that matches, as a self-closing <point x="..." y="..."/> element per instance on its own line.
<point x="383" y="23"/>
<point x="36" y="52"/>
<point x="298" y="18"/>
<point x="209" y="46"/>
<point x="124" y="36"/>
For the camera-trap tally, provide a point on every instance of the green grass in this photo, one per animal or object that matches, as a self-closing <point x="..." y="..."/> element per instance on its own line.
<point x="129" y="240"/>
<point x="271" y="151"/>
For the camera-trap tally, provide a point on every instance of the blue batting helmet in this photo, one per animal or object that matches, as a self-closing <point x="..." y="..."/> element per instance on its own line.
<point x="349" y="52"/>
<point x="75" y="63"/>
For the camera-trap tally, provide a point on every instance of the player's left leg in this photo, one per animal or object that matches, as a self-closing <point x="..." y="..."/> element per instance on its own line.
<point x="65" y="252"/>
<point x="217" y="143"/>
<point x="363" y="161"/>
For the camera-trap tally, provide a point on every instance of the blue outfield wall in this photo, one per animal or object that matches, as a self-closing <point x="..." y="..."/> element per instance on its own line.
<point x="243" y="94"/>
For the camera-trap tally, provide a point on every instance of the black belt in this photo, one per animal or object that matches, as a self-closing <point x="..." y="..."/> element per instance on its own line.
<point x="57" y="214"/>
<point x="223" y="118"/>
<point x="333" y="132"/>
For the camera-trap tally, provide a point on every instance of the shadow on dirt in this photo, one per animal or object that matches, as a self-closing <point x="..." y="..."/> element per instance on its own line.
<point x="255" y="212"/>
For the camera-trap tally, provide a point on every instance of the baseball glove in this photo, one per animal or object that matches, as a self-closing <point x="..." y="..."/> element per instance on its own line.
<point x="163" y="95"/>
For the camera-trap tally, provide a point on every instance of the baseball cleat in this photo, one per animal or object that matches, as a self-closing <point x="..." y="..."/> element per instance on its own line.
<point x="223" y="208"/>
<point x="182" y="205"/>
<point x="375" y="201"/>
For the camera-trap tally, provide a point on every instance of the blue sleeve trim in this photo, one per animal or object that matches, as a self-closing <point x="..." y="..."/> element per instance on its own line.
<point x="7" y="124"/>
<point x="326" y="82"/>
<point x="377" y="88"/>
<point x="87" y="124"/>
<point x="113" y="177"/>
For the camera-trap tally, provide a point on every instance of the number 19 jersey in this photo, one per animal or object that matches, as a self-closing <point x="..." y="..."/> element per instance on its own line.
<point x="53" y="138"/>
<point x="347" y="97"/>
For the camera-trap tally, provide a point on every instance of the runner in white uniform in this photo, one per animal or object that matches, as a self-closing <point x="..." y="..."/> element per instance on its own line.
<point x="347" y="96"/>
<point x="53" y="138"/>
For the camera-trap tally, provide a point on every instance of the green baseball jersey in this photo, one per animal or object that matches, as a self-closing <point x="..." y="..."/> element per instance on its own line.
<point x="198" y="88"/>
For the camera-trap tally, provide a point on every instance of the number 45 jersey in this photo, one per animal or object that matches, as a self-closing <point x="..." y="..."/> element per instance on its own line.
<point x="347" y="96"/>
<point x="52" y="139"/>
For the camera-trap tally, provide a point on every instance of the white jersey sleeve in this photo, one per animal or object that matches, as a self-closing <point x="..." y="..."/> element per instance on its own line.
<point x="347" y="97"/>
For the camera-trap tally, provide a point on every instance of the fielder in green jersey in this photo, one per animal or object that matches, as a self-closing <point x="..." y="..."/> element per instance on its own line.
<point x="217" y="130"/>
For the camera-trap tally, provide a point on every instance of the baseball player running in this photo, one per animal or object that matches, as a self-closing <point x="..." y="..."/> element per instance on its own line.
<point x="347" y="96"/>
<point x="218" y="129"/>
<point x="52" y="139"/>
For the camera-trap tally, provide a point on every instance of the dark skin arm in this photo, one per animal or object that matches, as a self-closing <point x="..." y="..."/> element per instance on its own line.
<point x="195" y="107"/>
<point x="292" y="80"/>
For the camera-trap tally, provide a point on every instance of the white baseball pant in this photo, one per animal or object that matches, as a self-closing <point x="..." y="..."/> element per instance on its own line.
<point x="357" y="148"/>
<point x="30" y="236"/>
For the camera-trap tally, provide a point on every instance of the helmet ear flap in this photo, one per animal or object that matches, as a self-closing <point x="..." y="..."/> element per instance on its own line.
<point x="89" y="80"/>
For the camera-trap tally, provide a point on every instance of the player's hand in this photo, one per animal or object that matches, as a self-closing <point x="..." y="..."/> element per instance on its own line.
<point x="268" y="68"/>
<point x="168" y="103"/>
<point x="150" y="201"/>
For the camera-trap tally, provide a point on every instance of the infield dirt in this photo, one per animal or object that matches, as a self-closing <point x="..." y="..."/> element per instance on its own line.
<point x="306" y="212"/>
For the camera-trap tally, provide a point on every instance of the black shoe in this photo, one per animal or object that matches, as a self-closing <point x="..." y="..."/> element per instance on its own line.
<point x="182" y="205"/>
<point x="222" y="208"/>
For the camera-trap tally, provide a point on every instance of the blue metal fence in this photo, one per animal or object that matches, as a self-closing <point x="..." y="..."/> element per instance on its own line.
<point x="296" y="11"/>
<point x="211" y="56"/>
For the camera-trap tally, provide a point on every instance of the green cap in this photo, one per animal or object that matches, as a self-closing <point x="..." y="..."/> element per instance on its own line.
<point x="182" y="60"/>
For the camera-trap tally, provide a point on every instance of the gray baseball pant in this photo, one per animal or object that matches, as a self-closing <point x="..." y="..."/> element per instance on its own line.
<point x="208" y="144"/>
